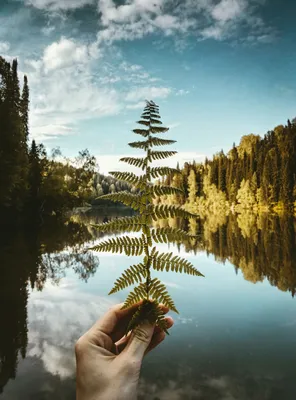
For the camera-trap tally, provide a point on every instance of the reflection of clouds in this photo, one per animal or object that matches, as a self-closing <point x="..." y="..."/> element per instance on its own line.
<point x="172" y="390"/>
<point x="57" y="319"/>
<point x="183" y="320"/>
<point x="172" y="285"/>
<point x="187" y="387"/>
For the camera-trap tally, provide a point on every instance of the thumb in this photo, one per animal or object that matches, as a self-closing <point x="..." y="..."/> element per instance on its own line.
<point x="139" y="341"/>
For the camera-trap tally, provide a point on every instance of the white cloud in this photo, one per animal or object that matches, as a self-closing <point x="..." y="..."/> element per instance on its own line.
<point x="69" y="85"/>
<point x="139" y="18"/>
<point x="136" y="19"/>
<point x="213" y="32"/>
<point x="136" y="106"/>
<point x="182" y="92"/>
<point x="64" y="53"/>
<point x="127" y="12"/>
<point x="4" y="46"/>
<point x="130" y="67"/>
<point x="166" y="21"/>
<point x="48" y="30"/>
<point x="148" y="93"/>
<point x="54" y="5"/>
<point x="228" y="9"/>
<point x="64" y="90"/>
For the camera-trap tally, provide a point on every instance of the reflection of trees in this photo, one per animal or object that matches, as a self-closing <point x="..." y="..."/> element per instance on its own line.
<point x="261" y="246"/>
<point x="13" y="307"/>
<point x="30" y="258"/>
<point x="55" y="265"/>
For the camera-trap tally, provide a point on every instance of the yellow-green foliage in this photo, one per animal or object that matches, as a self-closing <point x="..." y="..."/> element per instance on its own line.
<point x="246" y="196"/>
<point x="150" y="292"/>
<point x="214" y="200"/>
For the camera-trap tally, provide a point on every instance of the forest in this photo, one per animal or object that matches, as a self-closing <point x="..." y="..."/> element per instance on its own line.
<point x="31" y="181"/>
<point x="259" y="175"/>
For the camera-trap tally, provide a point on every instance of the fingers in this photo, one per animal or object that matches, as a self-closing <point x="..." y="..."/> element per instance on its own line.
<point x="157" y="337"/>
<point x="120" y="345"/>
<point x="113" y="323"/>
<point x="139" y="341"/>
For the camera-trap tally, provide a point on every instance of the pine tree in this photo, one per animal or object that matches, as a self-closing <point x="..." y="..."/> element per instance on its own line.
<point x="35" y="175"/>
<point x="192" y="190"/>
<point x="13" y="147"/>
<point x="25" y="108"/>
<point x="149" y="291"/>
<point x="222" y="172"/>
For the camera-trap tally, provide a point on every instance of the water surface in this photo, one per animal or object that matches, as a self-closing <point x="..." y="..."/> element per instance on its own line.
<point x="235" y="336"/>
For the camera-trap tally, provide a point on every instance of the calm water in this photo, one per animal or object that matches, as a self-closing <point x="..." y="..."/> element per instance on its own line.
<point x="235" y="337"/>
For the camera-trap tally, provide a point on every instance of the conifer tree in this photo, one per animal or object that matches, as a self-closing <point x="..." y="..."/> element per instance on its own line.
<point x="25" y="108"/>
<point x="13" y="146"/>
<point x="192" y="190"/>
<point x="149" y="290"/>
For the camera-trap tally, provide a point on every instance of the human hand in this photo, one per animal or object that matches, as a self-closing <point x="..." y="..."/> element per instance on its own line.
<point x="108" y="362"/>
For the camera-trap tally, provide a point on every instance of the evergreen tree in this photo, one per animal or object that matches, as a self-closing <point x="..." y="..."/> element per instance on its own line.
<point x="25" y="108"/>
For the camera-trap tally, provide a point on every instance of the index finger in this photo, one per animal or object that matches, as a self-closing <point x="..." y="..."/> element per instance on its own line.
<point x="115" y="322"/>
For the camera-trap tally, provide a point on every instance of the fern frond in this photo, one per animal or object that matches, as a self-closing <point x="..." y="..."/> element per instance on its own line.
<point x="148" y="292"/>
<point x="155" y="121"/>
<point x="126" y="198"/>
<point x="158" y="292"/>
<point x="158" y="129"/>
<point x="136" y="162"/>
<point x="142" y="132"/>
<point x="155" y="115"/>
<point x="125" y="224"/>
<point x="129" y="177"/>
<point x="160" y="155"/>
<point x="143" y="122"/>
<point x="144" y="145"/>
<point x="134" y="274"/>
<point x="148" y="311"/>
<point x="167" y="235"/>
<point x="169" y="262"/>
<point x="157" y="172"/>
<point x="151" y="114"/>
<point x="137" y="319"/>
<point x="159" y="190"/>
<point x="163" y="212"/>
<point x="150" y="110"/>
<point x="155" y="141"/>
<point x="135" y="296"/>
<point x="125" y="244"/>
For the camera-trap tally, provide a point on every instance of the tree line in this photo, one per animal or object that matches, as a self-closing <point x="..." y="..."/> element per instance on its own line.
<point x="30" y="179"/>
<point x="259" y="245"/>
<point x="258" y="174"/>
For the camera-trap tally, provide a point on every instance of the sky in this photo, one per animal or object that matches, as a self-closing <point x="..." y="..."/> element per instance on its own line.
<point x="218" y="69"/>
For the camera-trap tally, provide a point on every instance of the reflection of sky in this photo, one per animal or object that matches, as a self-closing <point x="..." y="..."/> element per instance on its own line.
<point x="233" y="340"/>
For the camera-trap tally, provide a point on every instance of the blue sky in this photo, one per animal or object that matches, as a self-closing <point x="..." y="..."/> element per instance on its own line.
<point x="219" y="69"/>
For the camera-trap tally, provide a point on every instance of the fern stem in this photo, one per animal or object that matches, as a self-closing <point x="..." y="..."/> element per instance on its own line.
<point x="148" y="180"/>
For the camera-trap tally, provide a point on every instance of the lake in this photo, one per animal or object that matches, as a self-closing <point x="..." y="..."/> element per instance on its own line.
<point x="235" y="336"/>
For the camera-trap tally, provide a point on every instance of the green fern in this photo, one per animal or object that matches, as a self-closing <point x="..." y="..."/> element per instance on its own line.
<point x="148" y="292"/>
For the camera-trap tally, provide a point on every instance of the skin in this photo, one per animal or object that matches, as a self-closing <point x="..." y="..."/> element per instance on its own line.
<point x="108" y="362"/>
